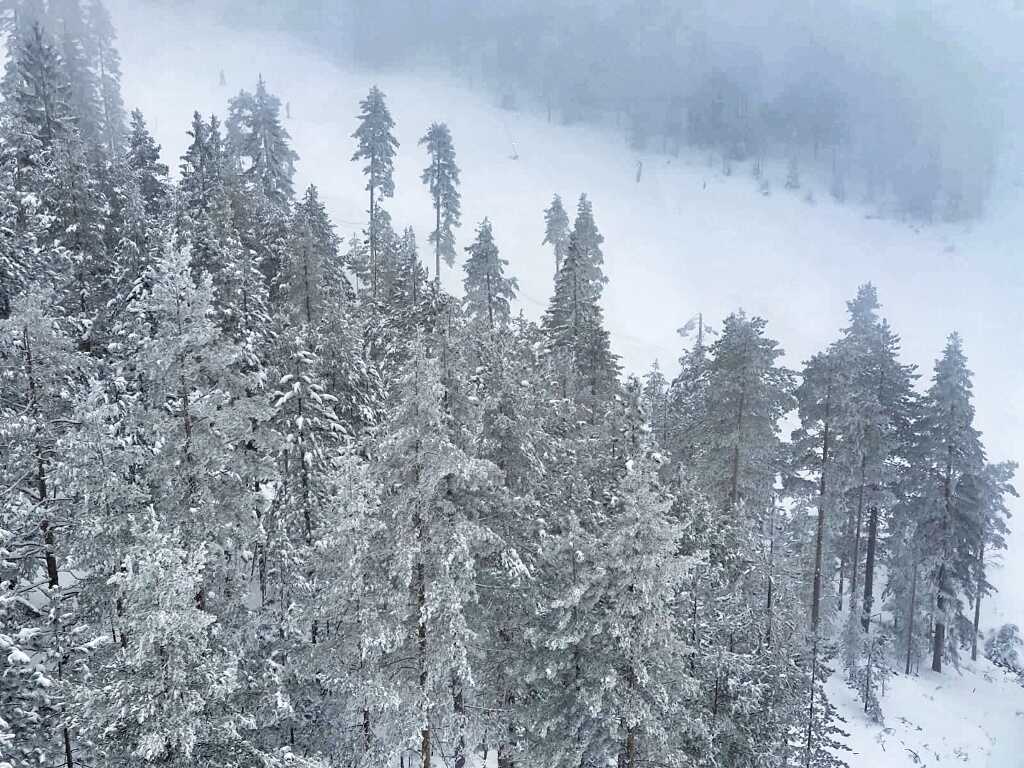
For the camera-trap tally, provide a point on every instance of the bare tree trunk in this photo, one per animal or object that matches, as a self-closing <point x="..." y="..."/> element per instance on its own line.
<point x="939" y="636"/>
<point x="842" y="566"/>
<point x="869" y="567"/>
<point x="977" y="601"/>
<point x="910" y="615"/>
<point x="458" y="703"/>
<point x="631" y="756"/>
<point x="858" y="521"/>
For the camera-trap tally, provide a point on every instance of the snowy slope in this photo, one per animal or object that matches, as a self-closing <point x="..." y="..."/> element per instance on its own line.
<point x="974" y="719"/>
<point x="685" y="239"/>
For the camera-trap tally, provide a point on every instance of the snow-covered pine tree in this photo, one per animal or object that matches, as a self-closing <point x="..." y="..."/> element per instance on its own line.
<point x="949" y="451"/>
<point x="635" y="660"/>
<point x="656" y="405"/>
<point x="176" y="668"/>
<point x="687" y="397"/>
<point x="83" y="88"/>
<point x="985" y="497"/>
<point x="556" y="229"/>
<point x="410" y="281"/>
<point x="875" y="439"/>
<point x="310" y="266"/>
<point x="489" y="294"/>
<point x="259" y="167"/>
<point x="206" y="227"/>
<point x="36" y="88"/>
<point x="20" y="222"/>
<point x="574" y="323"/>
<point x="305" y="435"/>
<point x="376" y="145"/>
<point x="193" y="381"/>
<point x="26" y="687"/>
<point x="75" y="239"/>
<point x="588" y="242"/>
<point x="102" y="52"/>
<point x="748" y="392"/>
<point x="442" y="179"/>
<point x="40" y="375"/>
<point x="143" y="158"/>
<point x="825" y="412"/>
<point x="258" y="137"/>
<point x="419" y="578"/>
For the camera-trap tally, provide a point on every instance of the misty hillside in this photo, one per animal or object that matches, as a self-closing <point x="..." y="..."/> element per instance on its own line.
<point x="900" y="103"/>
<point x="389" y="384"/>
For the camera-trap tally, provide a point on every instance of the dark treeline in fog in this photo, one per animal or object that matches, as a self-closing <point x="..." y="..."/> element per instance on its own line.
<point x="879" y="101"/>
<point x="268" y="499"/>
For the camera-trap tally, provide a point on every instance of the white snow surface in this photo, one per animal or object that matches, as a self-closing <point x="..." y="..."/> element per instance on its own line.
<point x="972" y="718"/>
<point x="685" y="239"/>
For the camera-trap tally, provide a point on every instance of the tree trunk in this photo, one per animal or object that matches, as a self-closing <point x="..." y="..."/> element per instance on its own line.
<point x="373" y="243"/>
<point x="869" y="567"/>
<point x="977" y="601"/>
<point x="631" y="757"/>
<point x="458" y="704"/>
<point x="939" y="637"/>
<point x="910" y="615"/>
<point x="820" y="533"/>
<point x="425" y="747"/>
<point x="858" y="521"/>
<point x="437" y="233"/>
<point x="490" y="303"/>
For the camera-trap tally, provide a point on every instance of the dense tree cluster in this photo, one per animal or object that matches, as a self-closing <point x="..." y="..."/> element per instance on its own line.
<point x="266" y="500"/>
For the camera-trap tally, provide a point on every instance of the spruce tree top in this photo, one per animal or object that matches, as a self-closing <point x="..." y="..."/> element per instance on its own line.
<point x="377" y="145"/>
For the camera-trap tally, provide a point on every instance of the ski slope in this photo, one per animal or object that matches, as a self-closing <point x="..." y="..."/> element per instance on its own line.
<point x="682" y="240"/>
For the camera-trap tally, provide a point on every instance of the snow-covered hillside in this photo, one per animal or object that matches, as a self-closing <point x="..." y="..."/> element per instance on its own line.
<point x="682" y="240"/>
<point x="972" y="719"/>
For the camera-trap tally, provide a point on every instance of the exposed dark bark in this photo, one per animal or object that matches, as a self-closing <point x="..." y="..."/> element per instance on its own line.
<point x="459" y="705"/>
<point x="869" y="566"/>
<point x="977" y="600"/>
<point x="939" y="636"/>
<point x="857" y="525"/>
<point x="910" y="615"/>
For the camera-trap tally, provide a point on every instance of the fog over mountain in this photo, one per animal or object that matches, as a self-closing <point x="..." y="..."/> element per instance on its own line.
<point x="905" y="104"/>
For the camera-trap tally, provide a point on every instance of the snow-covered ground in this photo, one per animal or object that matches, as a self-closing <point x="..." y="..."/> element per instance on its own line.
<point x="685" y="239"/>
<point x="972" y="719"/>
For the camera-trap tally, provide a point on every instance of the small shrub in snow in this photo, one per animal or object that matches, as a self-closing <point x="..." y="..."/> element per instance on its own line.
<point x="1003" y="648"/>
